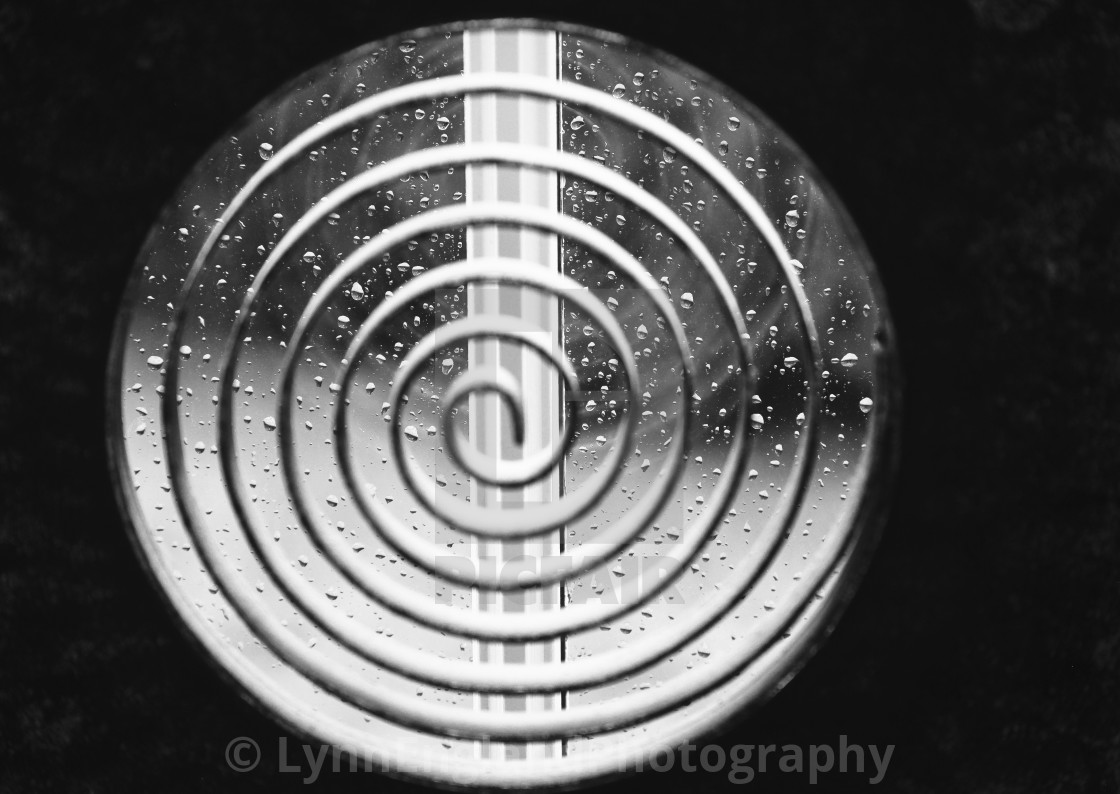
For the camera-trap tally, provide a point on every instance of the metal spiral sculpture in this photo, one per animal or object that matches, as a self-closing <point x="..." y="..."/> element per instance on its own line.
<point x="403" y="372"/>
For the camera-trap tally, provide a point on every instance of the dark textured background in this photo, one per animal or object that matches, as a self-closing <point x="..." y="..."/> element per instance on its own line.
<point x="977" y="145"/>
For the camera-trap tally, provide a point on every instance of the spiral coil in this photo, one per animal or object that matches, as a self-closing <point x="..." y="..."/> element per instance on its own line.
<point x="477" y="522"/>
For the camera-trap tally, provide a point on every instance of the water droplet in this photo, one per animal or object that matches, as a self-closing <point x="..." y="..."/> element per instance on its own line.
<point x="865" y="405"/>
<point x="793" y="217"/>
<point x="411" y="433"/>
<point x="407" y="46"/>
<point x="732" y="122"/>
<point x="442" y="123"/>
<point x="641" y="331"/>
<point x="639" y="78"/>
<point x="618" y="91"/>
<point x="849" y="359"/>
<point x="265" y="151"/>
<point x="686" y="300"/>
<point x="269" y="423"/>
<point x="577" y="123"/>
<point x="447" y="365"/>
<point x="356" y="291"/>
<point x="155" y="362"/>
<point x="612" y="304"/>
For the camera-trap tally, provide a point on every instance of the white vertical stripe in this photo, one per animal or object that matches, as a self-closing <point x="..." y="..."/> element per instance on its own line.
<point x="535" y="122"/>
<point x="539" y="120"/>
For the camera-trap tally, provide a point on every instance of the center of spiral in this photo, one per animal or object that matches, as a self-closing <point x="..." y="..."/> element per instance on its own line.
<point x="492" y="467"/>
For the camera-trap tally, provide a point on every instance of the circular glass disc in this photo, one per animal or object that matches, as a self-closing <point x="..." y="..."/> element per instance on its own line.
<point x="503" y="403"/>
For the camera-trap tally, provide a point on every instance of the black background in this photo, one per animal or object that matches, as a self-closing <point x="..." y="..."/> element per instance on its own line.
<point x="976" y="144"/>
